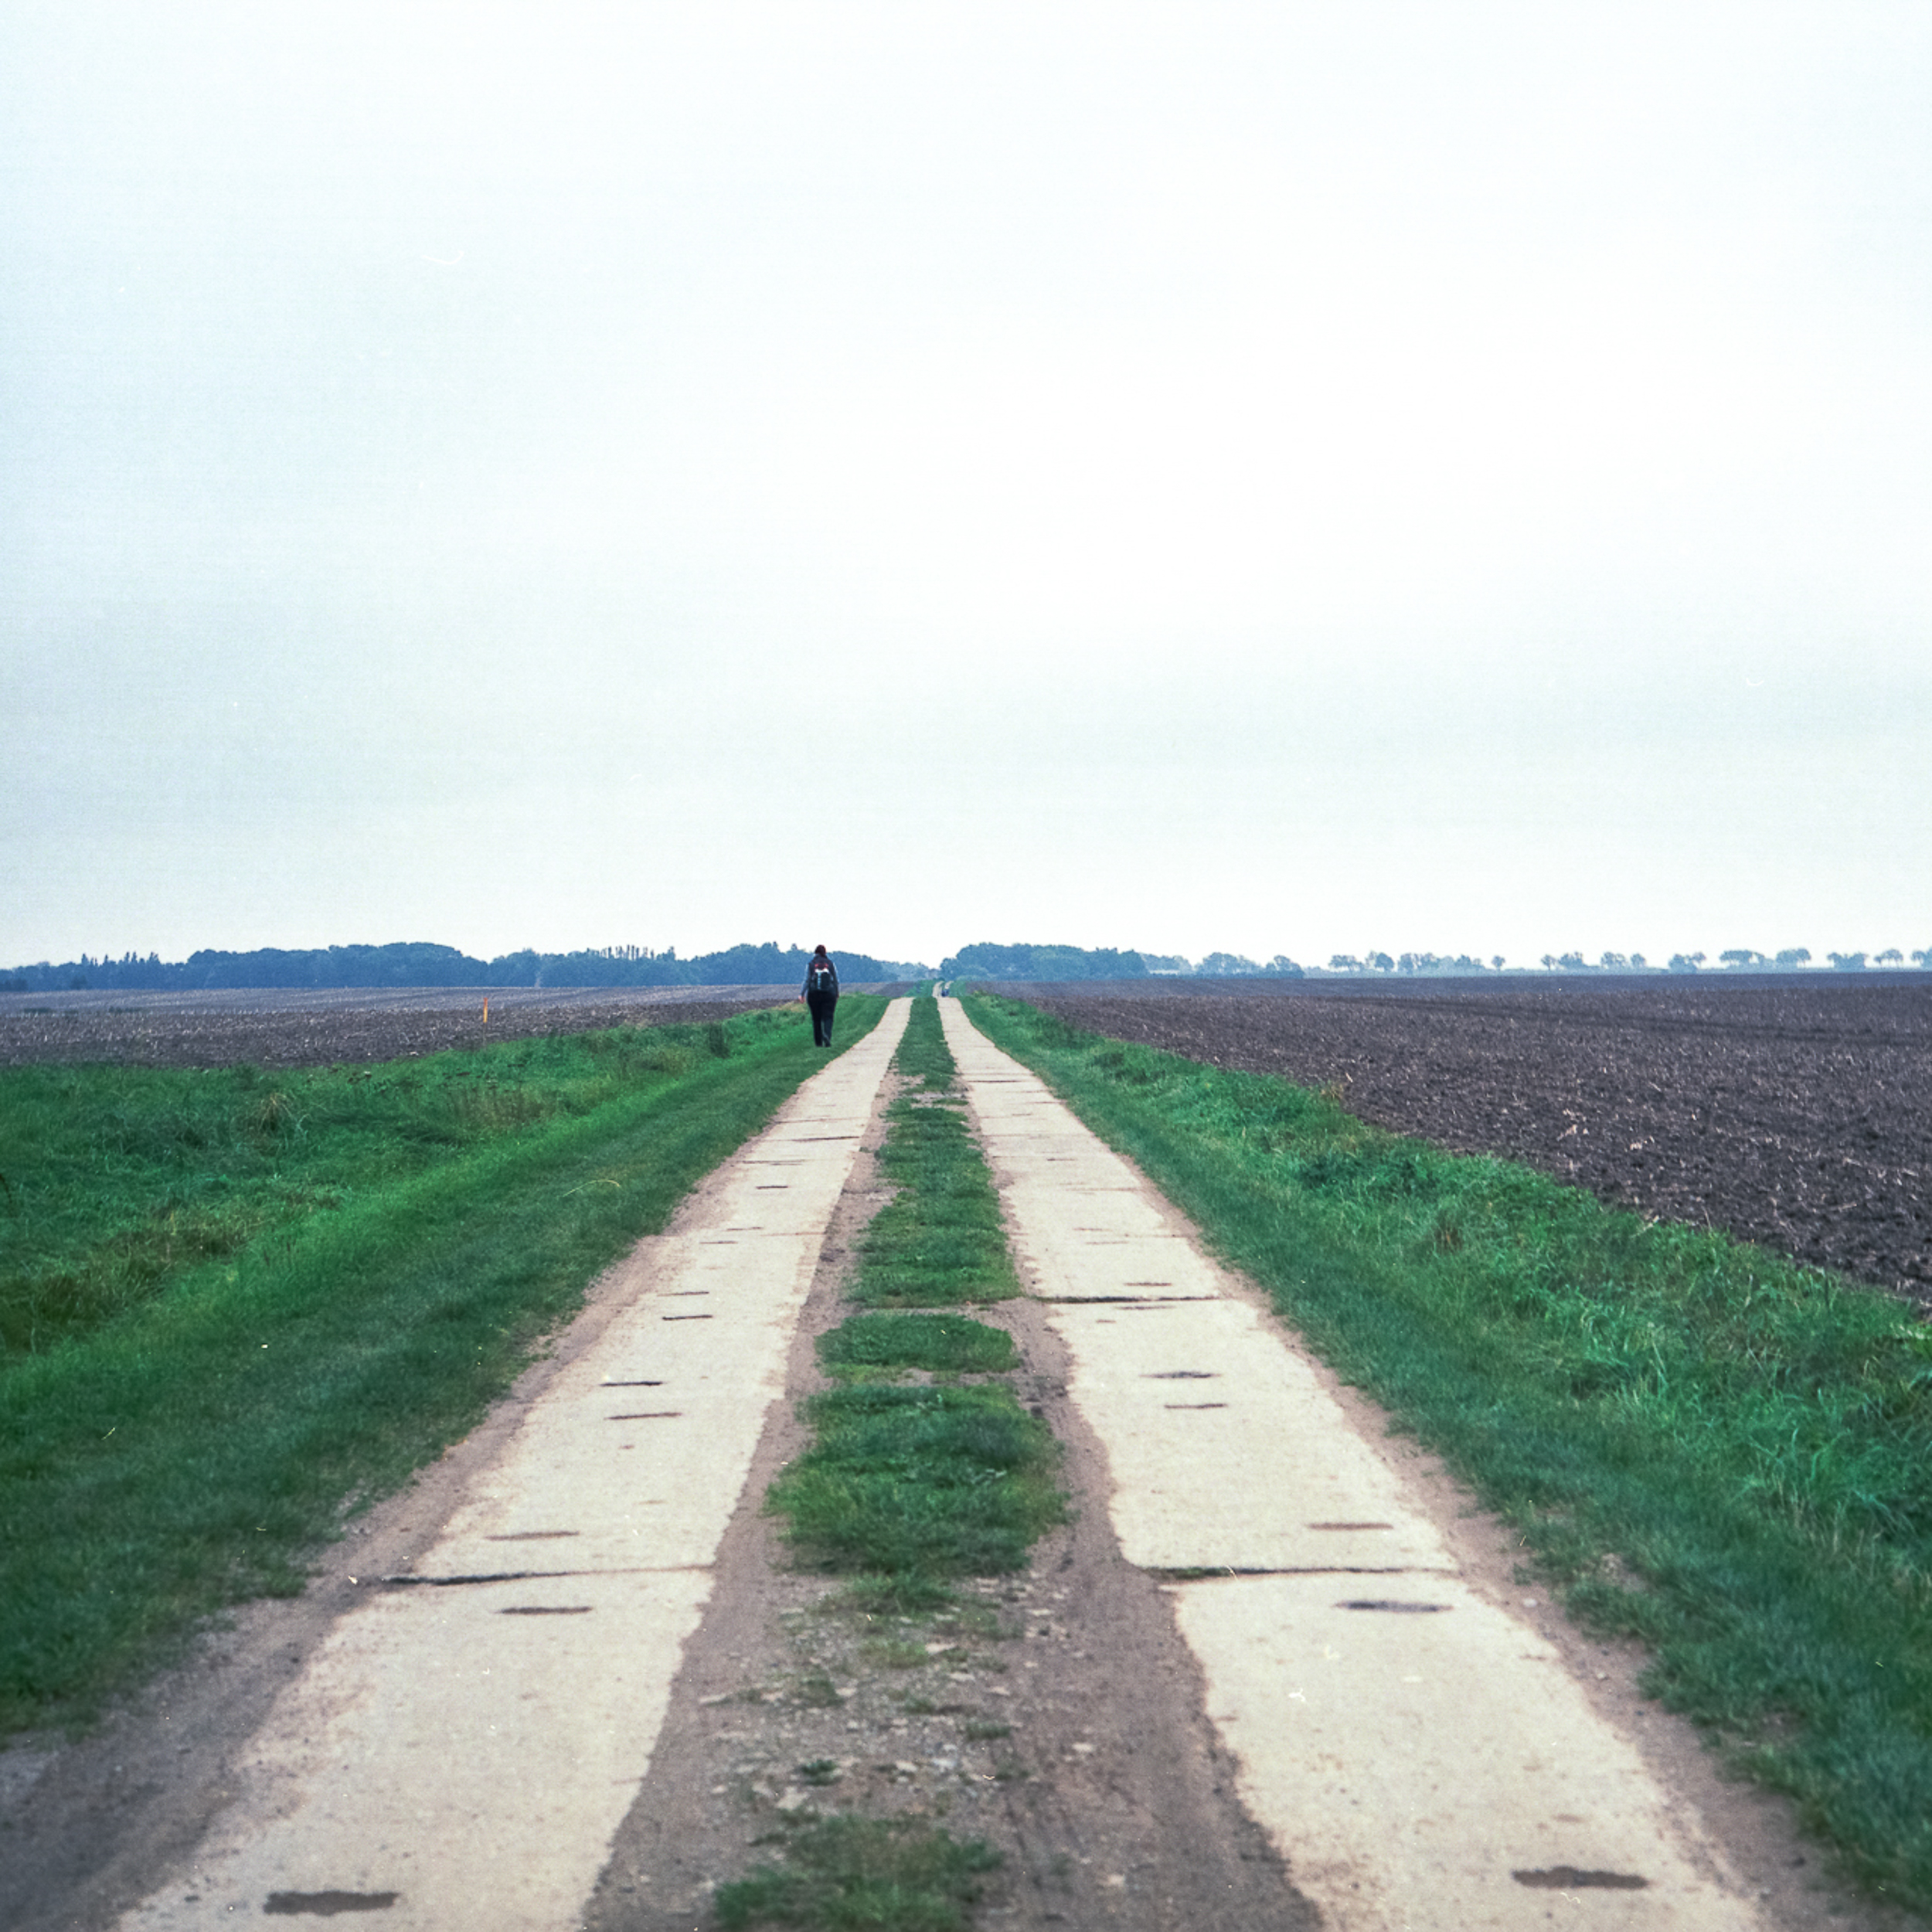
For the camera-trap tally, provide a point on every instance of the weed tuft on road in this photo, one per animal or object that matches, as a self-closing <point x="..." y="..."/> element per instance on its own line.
<point x="893" y="1874"/>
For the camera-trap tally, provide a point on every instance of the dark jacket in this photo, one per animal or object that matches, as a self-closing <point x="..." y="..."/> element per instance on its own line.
<point x="830" y="991"/>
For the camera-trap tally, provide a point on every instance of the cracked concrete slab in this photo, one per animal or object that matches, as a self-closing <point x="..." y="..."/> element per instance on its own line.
<point x="1427" y="1761"/>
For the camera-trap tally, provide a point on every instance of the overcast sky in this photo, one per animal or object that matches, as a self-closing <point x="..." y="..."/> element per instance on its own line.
<point x="1284" y="478"/>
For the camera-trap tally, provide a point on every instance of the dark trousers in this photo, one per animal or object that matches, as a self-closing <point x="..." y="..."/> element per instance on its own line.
<point x="821" y="1006"/>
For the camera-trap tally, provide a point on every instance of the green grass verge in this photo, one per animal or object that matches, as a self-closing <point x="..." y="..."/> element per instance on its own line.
<point x="940" y="1240"/>
<point x="945" y="1344"/>
<point x="847" y="1874"/>
<point x="1703" y="1445"/>
<point x="192" y="1449"/>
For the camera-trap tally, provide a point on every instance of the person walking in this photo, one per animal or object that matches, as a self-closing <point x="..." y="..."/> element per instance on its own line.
<point x="821" y="994"/>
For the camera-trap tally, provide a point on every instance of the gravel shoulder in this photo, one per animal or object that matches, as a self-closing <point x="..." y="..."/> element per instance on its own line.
<point x="1798" y="1115"/>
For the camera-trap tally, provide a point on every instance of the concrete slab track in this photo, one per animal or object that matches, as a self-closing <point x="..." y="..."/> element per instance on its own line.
<point x="1419" y="1756"/>
<point x="462" y="1750"/>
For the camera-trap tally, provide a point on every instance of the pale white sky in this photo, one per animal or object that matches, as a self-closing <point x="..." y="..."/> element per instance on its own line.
<point x="1276" y="478"/>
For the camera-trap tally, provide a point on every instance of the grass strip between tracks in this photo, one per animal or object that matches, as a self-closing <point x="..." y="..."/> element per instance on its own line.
<point x="945" y="1344"/>
<point x="192" y="1449"/>
<point x="908" y="1485"/>
<point x="1703" y="1445"/>
<point x="911" y="1485"/>
<point x="940" y="1240"/>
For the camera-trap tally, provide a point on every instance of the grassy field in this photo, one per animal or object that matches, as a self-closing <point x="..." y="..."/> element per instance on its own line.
<point x="116" y="1182"/>
<point x="237" y="1304"/>
<point x="1703" y="1445"/>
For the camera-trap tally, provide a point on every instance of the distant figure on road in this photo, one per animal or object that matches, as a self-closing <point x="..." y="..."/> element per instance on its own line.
<point x="822" y="994"/>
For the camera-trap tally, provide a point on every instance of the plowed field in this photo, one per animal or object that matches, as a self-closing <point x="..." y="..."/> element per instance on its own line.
<point x="1798" y="1115"/>
<point x="272" y="1027"/>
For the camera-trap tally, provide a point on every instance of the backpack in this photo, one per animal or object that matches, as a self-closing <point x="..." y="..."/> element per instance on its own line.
<point x="821" y="977"/>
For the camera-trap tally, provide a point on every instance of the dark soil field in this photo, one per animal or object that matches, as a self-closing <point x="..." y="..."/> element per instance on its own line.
<point x="273" y="1028"/>
<point x="1795" y="1112"/>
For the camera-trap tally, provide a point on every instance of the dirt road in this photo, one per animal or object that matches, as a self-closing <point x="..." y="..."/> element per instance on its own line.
<point x="1273" y="1674"/>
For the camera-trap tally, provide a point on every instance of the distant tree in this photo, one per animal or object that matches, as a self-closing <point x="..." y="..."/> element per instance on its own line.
<point x="1924" y="958"/>
<point x="1637" y="962"/>
<point x="1739" y="957"/>
<point x="1548" y="962"/>
<point x="1891" y="957"/>
<point x="1382" y="962"/>
<point x="1344" y="963"/>
<point x="521" y="968"/>
<point x="1573" y="962"/>
<point x="1283" y="967"/>
<point x="1847" y="962"/>
<point x="1226" y="966"/>
<point x="1166" y="962"/>
<point x="1614" y="963"/>
<point x="1793" y="956"/>
<point x="1495" y="960"/>
<point x="1685" y="962"/>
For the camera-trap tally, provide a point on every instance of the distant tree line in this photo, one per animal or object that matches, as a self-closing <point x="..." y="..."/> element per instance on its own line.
<point x="421" y="964"/>
<point x="994" y="963"/>
<point x="1738" y="959"/>
<point x="1412" y="963"/>
<point x="988" y="961"/>
<point x="1233" y="966"/>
